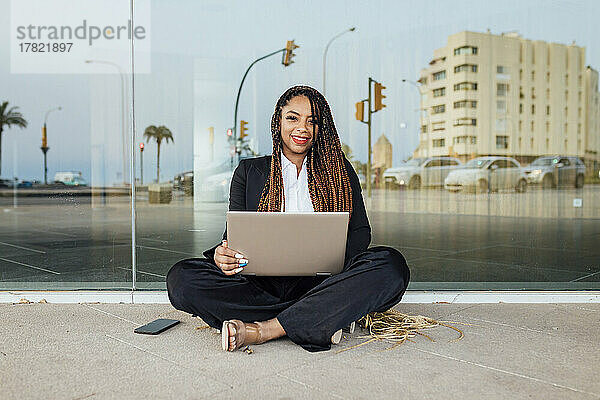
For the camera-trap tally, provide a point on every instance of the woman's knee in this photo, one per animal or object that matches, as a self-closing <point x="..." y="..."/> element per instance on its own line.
<point x="395" y="265"/>
<point x="179" y="281"/>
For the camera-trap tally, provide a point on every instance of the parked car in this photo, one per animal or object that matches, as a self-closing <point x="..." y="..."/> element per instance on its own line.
<point x="70" y="178"/>
<point x="553" y="171"/>
<point x="483" y="174"/>
<point x="419" y="172"/>
<point x="185" y="182"/>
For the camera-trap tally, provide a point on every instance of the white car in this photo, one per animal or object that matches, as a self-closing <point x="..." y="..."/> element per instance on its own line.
<point x="418" y="172"/>
<point x="483" y="174"/>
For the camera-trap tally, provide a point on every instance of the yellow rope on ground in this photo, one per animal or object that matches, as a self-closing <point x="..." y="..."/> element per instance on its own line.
<point x="396" y="327"/>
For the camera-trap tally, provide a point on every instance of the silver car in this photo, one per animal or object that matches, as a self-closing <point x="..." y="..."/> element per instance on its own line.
<point x="484" y="174"/>
<point x="554" y="171"/>
<point x="418" y="172"/>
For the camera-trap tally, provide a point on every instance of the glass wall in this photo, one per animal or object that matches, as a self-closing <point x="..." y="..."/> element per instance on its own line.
<point x="484" y="170"/>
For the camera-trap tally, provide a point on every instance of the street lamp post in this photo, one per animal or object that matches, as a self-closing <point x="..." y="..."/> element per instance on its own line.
<point x="45" y="147"/>
<point x="325" y="53"/>
<point x="286" y="50"/>
<point x="418" y="87"/>
<point x="123" y="113"/>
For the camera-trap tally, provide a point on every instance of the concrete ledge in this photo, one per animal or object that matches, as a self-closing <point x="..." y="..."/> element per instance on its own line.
<point x="414" y="297"/>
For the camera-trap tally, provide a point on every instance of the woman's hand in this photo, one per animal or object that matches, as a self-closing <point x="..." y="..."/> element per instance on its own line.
<point x="230" y="261"/>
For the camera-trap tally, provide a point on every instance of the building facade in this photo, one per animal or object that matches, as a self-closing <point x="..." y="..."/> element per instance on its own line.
<point x="486" y="94"/>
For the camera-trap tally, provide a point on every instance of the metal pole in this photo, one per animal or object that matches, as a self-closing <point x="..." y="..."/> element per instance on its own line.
<point x="237" y="101"/>
<point x="369" y="156"/>
<point x="141" y="166"/>
<point x="325" y="53"/>
<point x="45" y="147"/>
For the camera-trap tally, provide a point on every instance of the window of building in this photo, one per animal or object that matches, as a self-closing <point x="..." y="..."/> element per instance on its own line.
<point x="519" y="142"/>
<point x="531" y="143"/>
<point x="439" y="75"/>
<point x="547" y="76"/>
<point x="465" y="68"/>
<point x="547" y="110"/>
<point x="438" y="126"/>
<point x="579" y="80"/>
<point x="533" y="75"/>
<point x="439" y="92"/>
<point x="520" y="126"/>
<point x="439" y="109"/>
<point x="532" y="126"/>
<point x="579" y="96"/>
<point x="566" y="112"/>
<point x="424" y="128"/>
<point x="579" y="144"/>
<point x="533" y="93"/>
<point x="500" y="106"/>
<point x="439" y="142"/>
<point x="465" y="86"/>
<point x="533" y="109"/>
<point x="465" y="50"/>
<point x="501" y="69"/>
<point x="521" y="95"/>
<point x="566" y="95"/>
<point x="465" y="121"/>
<point x="501" y="89"/>
<point x="547" y="126"/>
<point x="547" y="94"/>
<point x="566" y="143"/>
<point x="465" y="140"/>
<point x="520" y="108"/>
<point x="566" y="79"/>
<point x="578" y="129"/>
<point x="502" y="142"/>
<point x="465" y="104"/>
<point x="547" y="144"/>
<point x="533" y="55"/>
<point x="566" y="128"/>
<point x="579" y="112"/>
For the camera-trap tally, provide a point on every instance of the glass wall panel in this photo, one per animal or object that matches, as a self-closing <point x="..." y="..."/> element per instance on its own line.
<point x="65" y="193"/>
<point x="467" y="180"/>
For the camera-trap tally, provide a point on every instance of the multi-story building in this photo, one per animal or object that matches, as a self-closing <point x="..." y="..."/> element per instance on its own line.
<point x="486" y="94"/>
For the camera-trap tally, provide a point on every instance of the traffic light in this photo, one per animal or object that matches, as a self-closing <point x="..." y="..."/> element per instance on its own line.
<point x="360" y="111"/>
<point x="243" y="129"/>
<point x="379" y="96"/>
<point x="289" y="53"/>
<point x="141" y="146"/>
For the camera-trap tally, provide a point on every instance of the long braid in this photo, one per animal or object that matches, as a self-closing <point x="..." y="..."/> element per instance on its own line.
<point x="328" y="182"/>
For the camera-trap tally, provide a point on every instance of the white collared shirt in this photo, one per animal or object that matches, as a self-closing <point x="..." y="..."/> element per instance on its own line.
<point x="295" y="187"/>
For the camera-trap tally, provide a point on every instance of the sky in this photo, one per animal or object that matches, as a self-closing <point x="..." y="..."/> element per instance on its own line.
<point x="200" y="50"/>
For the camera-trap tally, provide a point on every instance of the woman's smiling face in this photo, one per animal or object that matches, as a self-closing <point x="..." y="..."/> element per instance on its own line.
<point x="299" y="127"/>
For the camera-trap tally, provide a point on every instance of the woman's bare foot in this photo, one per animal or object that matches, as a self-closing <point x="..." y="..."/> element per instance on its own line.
<point x="236" y="334"/>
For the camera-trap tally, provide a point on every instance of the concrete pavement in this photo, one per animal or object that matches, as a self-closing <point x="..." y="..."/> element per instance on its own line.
<point x="89" y="351"/>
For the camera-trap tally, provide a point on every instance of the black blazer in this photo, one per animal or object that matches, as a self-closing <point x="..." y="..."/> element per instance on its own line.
<point x="249" y="181"/>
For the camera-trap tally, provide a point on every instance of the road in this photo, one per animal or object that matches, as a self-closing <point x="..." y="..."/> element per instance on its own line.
<point x="536" y="240"/>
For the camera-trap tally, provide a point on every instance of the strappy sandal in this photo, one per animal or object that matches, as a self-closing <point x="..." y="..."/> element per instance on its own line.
<point x="244" y="334"/>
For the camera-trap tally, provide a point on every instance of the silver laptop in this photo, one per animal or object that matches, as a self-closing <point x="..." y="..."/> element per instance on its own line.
<point x="289" y="244"/>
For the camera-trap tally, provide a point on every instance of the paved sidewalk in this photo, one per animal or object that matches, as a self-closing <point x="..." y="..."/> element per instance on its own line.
<point x="89" y="351"/>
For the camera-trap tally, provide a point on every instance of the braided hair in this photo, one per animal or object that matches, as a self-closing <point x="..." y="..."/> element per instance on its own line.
<point x="328" y="181"/>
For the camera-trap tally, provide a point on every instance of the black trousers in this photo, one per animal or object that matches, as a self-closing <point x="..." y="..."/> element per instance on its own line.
<point x="310" y="309"/>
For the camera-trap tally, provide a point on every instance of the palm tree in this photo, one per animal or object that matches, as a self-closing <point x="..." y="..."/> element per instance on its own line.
<point x="9" y="118"/>
<point x="158" y="134"/>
